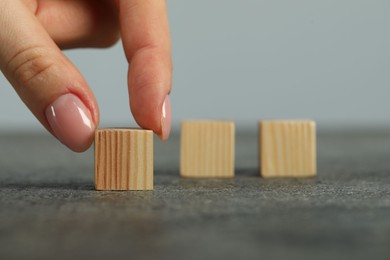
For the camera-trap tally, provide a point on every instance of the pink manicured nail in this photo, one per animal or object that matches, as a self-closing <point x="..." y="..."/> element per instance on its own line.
<point x="71" y="122"/>
<point x="166" y="119"/>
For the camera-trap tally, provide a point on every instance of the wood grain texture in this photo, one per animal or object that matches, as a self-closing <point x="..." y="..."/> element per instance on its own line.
<point x="207" y="149"/>
<point x="287" y="148"/>
<point x="123" y="159"/>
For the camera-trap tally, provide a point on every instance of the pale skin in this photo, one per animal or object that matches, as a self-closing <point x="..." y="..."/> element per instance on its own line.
<point x="32" y="35"/>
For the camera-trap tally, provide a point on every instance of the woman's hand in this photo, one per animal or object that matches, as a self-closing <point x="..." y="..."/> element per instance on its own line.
<point x="32" y="34"/>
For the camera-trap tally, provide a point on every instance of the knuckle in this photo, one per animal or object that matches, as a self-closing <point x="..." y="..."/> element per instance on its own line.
<point x="31" y="66"/>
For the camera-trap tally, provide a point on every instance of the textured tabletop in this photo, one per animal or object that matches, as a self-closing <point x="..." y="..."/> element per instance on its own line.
<point x="50" y="210"/>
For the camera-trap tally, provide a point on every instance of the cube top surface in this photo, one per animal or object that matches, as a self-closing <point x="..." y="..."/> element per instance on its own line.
<point x="207" y="122"/>
<point x="122" y="129"/>
<point x="288" y="121"/>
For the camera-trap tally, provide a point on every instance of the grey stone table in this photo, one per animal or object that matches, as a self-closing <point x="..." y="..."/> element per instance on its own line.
<point x="49" y="209"/>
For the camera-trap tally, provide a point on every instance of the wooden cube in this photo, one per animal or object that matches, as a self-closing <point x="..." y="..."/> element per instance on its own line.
<point x="287" y="148"/>
<point x="207" y="149"/>
<point x="123" y="159"/>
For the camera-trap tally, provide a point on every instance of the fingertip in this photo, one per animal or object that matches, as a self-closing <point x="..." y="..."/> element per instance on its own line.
<point x="149" y="78"/>
<point x="71" y="122"/>
<point x="153" y="117"/>
<point x="165" y="127"/>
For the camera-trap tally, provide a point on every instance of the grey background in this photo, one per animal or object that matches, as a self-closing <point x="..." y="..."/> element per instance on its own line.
<point x="246" y="60"/>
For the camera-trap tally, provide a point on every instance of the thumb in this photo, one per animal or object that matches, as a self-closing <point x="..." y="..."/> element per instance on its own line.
<point x="47" y="82"/>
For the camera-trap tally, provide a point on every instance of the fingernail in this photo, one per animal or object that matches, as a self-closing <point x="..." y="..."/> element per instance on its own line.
<point x="71" y="122"/>
<point x="165" y="119"/>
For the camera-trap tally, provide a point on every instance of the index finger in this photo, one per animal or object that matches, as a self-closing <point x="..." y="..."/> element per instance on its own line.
<point x="146" y="41"/>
